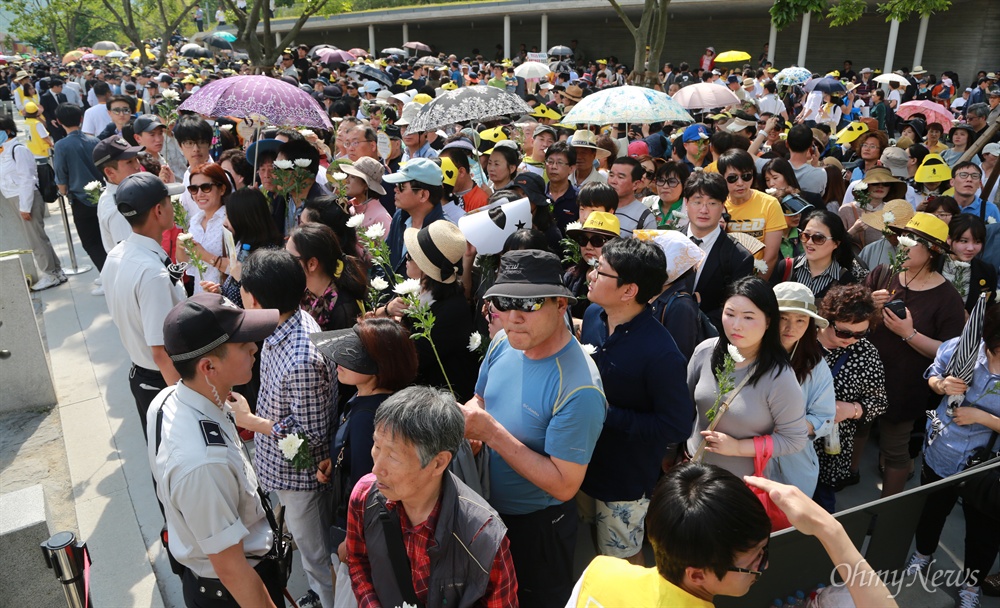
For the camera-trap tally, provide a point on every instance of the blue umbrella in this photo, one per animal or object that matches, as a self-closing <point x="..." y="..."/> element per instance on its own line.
<point x="627" y="104"/>
<point x="791" y="76"/>
<point x="228" y="37"/>
<point x="827" y="84"/>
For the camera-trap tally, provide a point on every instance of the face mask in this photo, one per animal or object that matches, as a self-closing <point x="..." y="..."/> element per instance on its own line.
<point x="3" y="137"/>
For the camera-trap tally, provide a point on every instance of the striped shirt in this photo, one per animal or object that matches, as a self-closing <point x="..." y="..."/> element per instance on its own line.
<point x="817" y="284"/>
<point x="298" y="391"/>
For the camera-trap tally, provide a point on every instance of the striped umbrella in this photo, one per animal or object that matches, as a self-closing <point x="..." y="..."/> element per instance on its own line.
<point x="963" y="362"/>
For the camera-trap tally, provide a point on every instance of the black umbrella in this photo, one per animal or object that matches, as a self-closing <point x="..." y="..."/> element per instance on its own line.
<point x="560" y="51"/>
<point x="468" y="104"/>
<point x="560" y="67"/>
<point x="219" y="43"/>
<point x="963" y="360"/>
<point x="365" y="71"/>
<point x="827" y="84"/>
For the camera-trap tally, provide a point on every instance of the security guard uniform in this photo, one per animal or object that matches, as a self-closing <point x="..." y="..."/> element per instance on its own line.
<point x="207" y="487"/>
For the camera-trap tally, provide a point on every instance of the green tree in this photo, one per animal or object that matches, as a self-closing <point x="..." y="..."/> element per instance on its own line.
<point x="844" y="12"/>
<point x="650" y="36"/>
<point x="58" y="26"/>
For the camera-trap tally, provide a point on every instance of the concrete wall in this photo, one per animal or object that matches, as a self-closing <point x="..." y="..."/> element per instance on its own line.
<point x="964" y="39"/>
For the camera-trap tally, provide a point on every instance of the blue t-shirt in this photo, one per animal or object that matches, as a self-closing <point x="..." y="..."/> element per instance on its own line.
<point x="555" y="406"/>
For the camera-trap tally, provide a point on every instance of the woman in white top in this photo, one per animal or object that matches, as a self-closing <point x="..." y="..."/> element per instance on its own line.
<point x="209" y="185"/>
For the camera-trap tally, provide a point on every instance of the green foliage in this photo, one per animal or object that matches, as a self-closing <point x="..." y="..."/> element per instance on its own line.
<point x="59" y="26"/>
<point x="901" y="10"/>
<point x="846" y="12"/>
<point x="787" y="12"/>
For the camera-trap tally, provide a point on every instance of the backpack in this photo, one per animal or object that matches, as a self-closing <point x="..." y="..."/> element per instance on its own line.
<point x="705" y="329"/>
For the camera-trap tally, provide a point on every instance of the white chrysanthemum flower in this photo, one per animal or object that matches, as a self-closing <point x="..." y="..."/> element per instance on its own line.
<point x="991" y="220"/>
<point x="590" y="349"/>
<point x="380" y="284"/>
<point x="355" y="221"/>
<point x="289" y="446"/>
<point x="888" y="217"/>
<point x="771" y="191"/>
<point x="339" y="177"/>
<point x="475" y="341"/>
<point x="860" y="186"/>
<point x="760" y="266"/>
<point x="408" y="287"/>
<point x="735" y="353"/>
<point x="961" y="264"/>
<point x="677" y="213"/>
<point x="375" y="231"/>
<point x="574" y="226"/>
<point x="184" y="237"/>
<point x="905" y="241"/>
<point x="302" y="162"/>
<point x="94" y="185"/>
<point x="306" y="132"/>
<point x="226" y="128"/>
<point x="170" y="95"/>
<point x="284" y="164"/>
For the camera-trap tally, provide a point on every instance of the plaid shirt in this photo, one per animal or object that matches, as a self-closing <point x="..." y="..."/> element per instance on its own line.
<point x="501" y="592"/>
<point x="298" y="392"/>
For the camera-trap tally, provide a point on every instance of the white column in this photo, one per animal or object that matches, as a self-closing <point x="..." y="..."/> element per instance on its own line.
<point x="804" y="39"/>
<point x="772" y="40"/>
<point x="918" y="53"/>
<point x="890" y="51"/>
<point x="277" y="39"/>
<point x="506" y="35"/>
<point x="406" y="33"/>
<point x="371" y="40"/>
<point x="545" y="33"/>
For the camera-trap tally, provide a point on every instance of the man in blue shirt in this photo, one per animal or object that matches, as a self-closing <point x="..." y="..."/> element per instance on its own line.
<point x="539" y="407"/>
<point x="74" y="167"/>
<point x="967" y="180"/>
<point x="638" y="361"/>
<point x="418" y="204"/>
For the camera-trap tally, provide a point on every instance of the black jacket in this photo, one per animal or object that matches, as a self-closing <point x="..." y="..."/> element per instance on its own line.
<point x="50" y="101"/>
<point x="726" y="263"/>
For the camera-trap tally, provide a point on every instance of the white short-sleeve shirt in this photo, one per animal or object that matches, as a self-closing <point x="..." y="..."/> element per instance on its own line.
<point x="114" y="227"/>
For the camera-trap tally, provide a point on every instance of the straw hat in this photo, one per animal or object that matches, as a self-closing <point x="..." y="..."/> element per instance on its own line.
<point x="797" y="298"/>
<point x="896" y="213"/>
<point x="882" y="175"/>
<point x="586" y="139"/>
<point x="573" y="93"/>
<point x="929" y="229"/>
<point x="437" y="250"/>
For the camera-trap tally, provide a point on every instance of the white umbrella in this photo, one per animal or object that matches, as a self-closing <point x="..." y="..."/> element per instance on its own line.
<point x="887" y="78"/>
<point x="532" y="69"/>
<point x="116" y="55"/>
<point x="626" y="104"/>
<point x="705" y="95"/>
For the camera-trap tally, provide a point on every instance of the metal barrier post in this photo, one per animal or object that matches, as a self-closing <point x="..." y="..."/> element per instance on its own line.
<point x="69" y="241"/>
<point x="69" y="559"/>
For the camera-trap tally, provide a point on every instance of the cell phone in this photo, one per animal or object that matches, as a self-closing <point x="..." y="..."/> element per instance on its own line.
<point x="898" y="308"/>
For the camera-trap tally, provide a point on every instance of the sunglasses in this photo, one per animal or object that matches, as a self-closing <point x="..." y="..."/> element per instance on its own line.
<point x="815" y="237"/>
<point x="733" y="178"/>
<point x="206" y="188"/>
<point x="505" y="304"/>
<point x="594" y="240"/>
<point x="843" y="334"/>
<point x="761" y="566"/>
<point x="649" y="175"/>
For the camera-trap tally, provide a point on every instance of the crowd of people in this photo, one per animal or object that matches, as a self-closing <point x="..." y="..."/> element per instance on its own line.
<point x="452" y="348"/>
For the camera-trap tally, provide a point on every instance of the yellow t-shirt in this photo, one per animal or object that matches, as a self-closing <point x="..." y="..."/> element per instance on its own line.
<point x="937" y="149"/>
<point x="756" y="217"/>
<point x="609" y="582"/>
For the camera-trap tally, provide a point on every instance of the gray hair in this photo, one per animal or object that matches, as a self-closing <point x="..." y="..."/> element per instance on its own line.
<point x="368" y="132"/>
<point x="428" y="418"/>
<point x="981" y="110"/>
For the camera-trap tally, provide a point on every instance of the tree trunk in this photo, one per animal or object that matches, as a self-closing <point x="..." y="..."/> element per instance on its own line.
<point x="651" y="32"/>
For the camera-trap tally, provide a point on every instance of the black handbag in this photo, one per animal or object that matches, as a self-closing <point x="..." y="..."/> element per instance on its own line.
<point x="47" y="182"/>
<point x="982" y="491"/>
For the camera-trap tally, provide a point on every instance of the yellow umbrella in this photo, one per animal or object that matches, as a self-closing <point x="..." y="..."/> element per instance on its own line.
<point x="149" y="55"/>
<point x="72" y="56"/>
<point x="732" y="57"/>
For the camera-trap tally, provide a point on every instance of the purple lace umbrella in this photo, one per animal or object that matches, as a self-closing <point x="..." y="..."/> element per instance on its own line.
<point x="280" y="103"/>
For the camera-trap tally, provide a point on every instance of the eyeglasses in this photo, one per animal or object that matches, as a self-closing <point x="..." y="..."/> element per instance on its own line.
<point x="843" y="334"/>
<point x="604" y="274"/>
<point x="594" y="240"/>
<point x="194" y="188"/>
<point x="121" y="111"/>
<point x="870" y="147"/>
<point x="732" y="178"/>
<point x="815" y="237"/>
<point x="556" y="164"/>
<point x="670" y="182"/>
<point x="761" y="565"/>
<point x="195" y="144"/>
<point x="969" y="175"/>
<point x="505" y="304"/>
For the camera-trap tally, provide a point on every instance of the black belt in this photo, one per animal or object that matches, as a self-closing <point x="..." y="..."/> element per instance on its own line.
<point x="142" y="370"/>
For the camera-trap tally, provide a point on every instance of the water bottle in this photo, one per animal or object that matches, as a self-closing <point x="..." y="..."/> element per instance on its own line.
<point x="777" y="604"/>
<point x="243" y="253"/>
<point x="831" y="443"/>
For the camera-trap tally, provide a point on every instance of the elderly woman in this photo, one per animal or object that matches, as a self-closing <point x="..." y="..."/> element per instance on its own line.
<point x="953" y="435"/>
<point x="675" y="307"/>
<point x="920" y="309"/>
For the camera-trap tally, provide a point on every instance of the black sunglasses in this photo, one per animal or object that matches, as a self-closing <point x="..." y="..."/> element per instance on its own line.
<point x="194" y="188"/>
<point x="650" y="174"/>
<point x="506" y="304"/>
<point x="843" y="334"/>
<point x="815" y="237"/>
<point x="761" y="567"/>
<point x="595" y="240"/>
<point x="733" y="178"/>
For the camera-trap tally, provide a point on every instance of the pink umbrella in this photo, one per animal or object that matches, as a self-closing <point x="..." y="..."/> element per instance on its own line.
<point x="89" y="57"/>
<point x="358" y="52"/>
<point x="934" y="112"/>
<point x="281" y="103"/>
<point x="705" y="95"/>
<point x="334" y="56"/>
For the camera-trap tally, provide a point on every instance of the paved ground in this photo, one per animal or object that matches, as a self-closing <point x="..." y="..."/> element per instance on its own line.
<point x="104" y="472"/>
